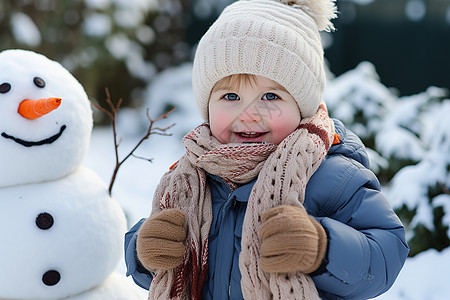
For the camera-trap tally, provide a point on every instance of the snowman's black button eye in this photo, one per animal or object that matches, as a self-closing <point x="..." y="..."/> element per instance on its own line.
<point x="44" y="221"/>
<point x="51" y="277"/>
<point x="5" y="87"/>
<point x="39" y="82"/>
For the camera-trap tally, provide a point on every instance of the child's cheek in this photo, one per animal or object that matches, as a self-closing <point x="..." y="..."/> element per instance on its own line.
<point x="220" y="123"/>
<point x="284" y="124"/>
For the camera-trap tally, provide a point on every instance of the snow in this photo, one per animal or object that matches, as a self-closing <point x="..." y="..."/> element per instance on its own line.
<point x="97" y="25"/>
<point x="145" y="34"/>
<point x="399" y="142"/>
<point x="173" y="88"/>
<point x="447" y="15"/>
<point x="444" y="201"/>
<point x="411" y="184"/>
<point x="415" y="10"/>
<point x="137" y="178"/>
<point x="121" y="47"/>
<point x="25" y="30"/>
<point x="118" y="45"/>
<point x="424" y="276"/>
<point x="377" y="162"/>
<point x="364" y="95"/>
<point x="109" y="287"/>
<point x="98" y="4"/>
<point x="131" y="13"/>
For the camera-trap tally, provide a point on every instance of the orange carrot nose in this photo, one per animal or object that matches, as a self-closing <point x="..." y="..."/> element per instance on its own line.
<point x="33" y="109"/>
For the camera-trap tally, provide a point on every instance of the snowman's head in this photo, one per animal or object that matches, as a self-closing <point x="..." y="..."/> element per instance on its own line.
<point x="45" y="119"/>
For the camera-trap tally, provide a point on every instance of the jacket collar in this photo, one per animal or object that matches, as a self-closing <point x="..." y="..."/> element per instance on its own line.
<point x="242" y="193"/>
<point x="350" y="145"/>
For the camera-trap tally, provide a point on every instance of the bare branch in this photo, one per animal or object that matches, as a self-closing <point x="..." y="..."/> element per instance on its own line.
<point x="143" y="158"/>
<point x="102" y="109"/>
<point x="163" y="116"/>
<point x="112" y="113"/>
<point x="165" y="128"/>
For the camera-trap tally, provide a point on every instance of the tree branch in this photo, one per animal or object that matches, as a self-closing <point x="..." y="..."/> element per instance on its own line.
<point x="111" y="112"/>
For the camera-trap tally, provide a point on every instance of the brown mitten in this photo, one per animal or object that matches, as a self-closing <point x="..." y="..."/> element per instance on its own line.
<point x="291" y="240"/>
<point x="160" y="240"/>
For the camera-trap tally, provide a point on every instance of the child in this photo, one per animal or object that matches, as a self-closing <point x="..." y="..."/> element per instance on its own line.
<point x="273" y="199"/>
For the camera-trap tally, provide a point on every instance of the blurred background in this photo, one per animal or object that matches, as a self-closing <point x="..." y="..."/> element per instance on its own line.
<point x="123" y="44"/>
<point x="388" y="69"/>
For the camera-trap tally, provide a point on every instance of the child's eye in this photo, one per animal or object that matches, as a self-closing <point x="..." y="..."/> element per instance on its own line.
<point x="231" y="97"/>
<point x="270" y="96"/>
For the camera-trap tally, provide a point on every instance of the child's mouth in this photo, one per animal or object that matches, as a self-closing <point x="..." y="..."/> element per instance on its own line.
<point x="250" y="134"/>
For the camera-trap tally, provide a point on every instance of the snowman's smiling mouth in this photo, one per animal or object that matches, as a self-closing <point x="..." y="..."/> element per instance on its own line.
<point x="38" y="143"/>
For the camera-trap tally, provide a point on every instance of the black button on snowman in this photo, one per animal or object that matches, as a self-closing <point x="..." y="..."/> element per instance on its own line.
<point x="45" y="221"/>
<point x="62" y="234"/>
<point x="51" y="277"/>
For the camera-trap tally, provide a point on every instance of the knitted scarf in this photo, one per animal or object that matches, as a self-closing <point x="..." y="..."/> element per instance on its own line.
<point x="283" y="171"/>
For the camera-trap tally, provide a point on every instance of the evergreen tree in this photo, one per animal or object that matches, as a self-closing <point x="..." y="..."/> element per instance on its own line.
<point x="409" y="147"/>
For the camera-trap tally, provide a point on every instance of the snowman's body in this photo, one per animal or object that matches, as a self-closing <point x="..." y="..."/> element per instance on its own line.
<point x="59" y="238"/>
<point x="61" y="233"/>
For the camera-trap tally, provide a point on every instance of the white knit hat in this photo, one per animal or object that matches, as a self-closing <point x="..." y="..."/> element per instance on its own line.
<point x="277" y="39"/>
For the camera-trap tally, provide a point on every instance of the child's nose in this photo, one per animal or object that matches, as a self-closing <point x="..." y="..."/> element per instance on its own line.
<point x="250" y="113"/>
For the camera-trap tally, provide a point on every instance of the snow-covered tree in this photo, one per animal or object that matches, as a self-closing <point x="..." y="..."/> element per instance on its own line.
<point x="409" y="147"/>
<point x="421" y="193"/>
<point x="105" y="43"/>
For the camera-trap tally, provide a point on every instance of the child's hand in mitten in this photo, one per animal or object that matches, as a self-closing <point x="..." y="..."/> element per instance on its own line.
<point x="291" y="240"/>
<point x="160" y="240"/>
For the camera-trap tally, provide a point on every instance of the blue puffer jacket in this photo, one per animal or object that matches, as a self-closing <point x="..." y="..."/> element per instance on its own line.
<point x="366" y="248"/>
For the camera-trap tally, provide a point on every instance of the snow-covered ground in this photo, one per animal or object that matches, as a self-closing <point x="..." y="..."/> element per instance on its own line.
<point x="137" y="178"/>
<point x="424" y="277"/>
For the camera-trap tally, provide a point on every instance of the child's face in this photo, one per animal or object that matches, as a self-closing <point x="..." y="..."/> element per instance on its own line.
<point x="254" y="111"/>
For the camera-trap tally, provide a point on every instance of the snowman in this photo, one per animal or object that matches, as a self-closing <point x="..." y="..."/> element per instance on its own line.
<point x="61" y="233"/>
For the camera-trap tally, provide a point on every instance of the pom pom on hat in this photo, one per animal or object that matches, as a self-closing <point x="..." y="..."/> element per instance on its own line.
<point x="322" y="11"/>
<point x="277" y="39"/>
